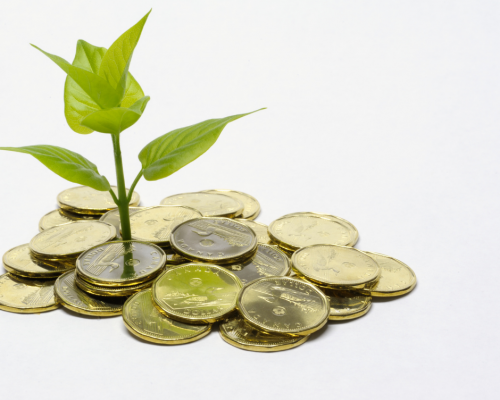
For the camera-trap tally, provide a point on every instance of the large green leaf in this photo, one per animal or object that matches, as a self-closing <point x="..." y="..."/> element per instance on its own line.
<point x="172" y="151"/>
<point x="67" y="164"/>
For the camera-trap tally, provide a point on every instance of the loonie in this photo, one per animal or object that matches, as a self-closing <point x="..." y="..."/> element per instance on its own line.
<point x="107" y="291"/>
<point x="175" y="259"/>
<point x="209" y="204"/>
<point x="53" y="218"/>
<point x="77" y="217"/>
<point x="113" y="217"/>
<point x="143" y="320"/>
<point x="347" y="304"/>
<point x="251" y="207"/>
<point x="259" y="229"/>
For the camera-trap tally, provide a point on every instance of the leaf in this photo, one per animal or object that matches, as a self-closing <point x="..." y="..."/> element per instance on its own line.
<point x="172" y="151"/>
<point x="67" y="164"/>
<point x="117" y="119"/>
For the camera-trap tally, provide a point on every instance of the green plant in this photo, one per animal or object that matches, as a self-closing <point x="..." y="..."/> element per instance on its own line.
<point x="100" y="94"/>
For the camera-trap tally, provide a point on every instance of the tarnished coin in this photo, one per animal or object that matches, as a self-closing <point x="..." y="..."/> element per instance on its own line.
<point x="347" y="304"/>
<point x="284" y="305"/>
<point x="110" y="291"/>
<point x="267" y="261"/>
<point x="215" y="240"/>
<point x="113" y="217"/>
<point x="209" y="204"/>
<point x="251" y="207"/>
<point x="53" y="218"/>
<point x="297" y="230"/>
<point x="196" y="293"/>
<point x="396" y="277"/>
<point x="241" y="334"/>
<point x="74" y="299"/>
<point x="259" y="229"/>
<point x="336" y="266"/>
<point x="85" y="200"/>
<point x="155" y="224"/>
<point x="143" y="320"/>
<point x="26" y="296"/>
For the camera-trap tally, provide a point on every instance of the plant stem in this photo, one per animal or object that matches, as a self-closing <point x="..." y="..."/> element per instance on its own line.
<point x="136" y="180"/>
<point x="122" y="202"/>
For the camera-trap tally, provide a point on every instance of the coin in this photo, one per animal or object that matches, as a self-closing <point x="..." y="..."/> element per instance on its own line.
<point x="113" y="217"/>
<point x="267" y="261"/>
<point x="51" y="219"/>
<point x="175" y="259"/>
<point x="284" y="305"/>
<point x="209" y="204"/>
<point x="347" y="304"/>
<point x="251" y="207"/>
<point x="143" y="320"/>
<point x="259" y="229"/>
<point x="241" y="334"/>
<point x="71" y="239"/>
<point x="396" y="277"/>
<point x="26" y="296"/>
<point x="215" y="240"/>
<point x="120" y="263"/>
<point x="297" y="230"/>
<point x="335" y="266"/>
<point x="196" y="293"/>
<point x="85" y="200"/>
<point x="74" y="299"/>
<point x="155" y="224"/>
<point x="113" y="291"/>
<point x="77" y="217"/>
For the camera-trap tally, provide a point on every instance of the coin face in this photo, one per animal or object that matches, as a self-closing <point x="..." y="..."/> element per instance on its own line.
<point x="297" y="230"/>
<point x="335" y="266"/>
<point x="71" y="239"/>
<point x="74" y="299"/>
<point x="241" y="334"/>
<point x="121" y="263"/>
<point x="347" y="304"/>
<point x="155" y="224"/>
<point x="209" y="204"/>
<point x="26" y="296"/>
<point x="144" y="320"/>
<point x="110" y="291"/>
<point x="113" y="217"/>
<point x="197" y="293"/>
<point x="267" y="261"/>
<point x="251" y="207"/>
<point x="259" y="229"/>
<point x="396" y="277"/>
<point x="53" y="218"/>
<point x="216" y="240"/>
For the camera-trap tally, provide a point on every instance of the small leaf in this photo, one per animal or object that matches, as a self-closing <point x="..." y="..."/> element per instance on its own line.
<point x="67" y="164"/>
<point x="172" y="151"/>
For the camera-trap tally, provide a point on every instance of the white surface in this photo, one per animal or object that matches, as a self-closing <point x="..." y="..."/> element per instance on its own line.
<point x="385" y="113"/>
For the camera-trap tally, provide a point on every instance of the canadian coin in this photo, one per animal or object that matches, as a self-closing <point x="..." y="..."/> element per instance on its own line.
<point x="215" y="240"/>
<point x="53" y="218"/>
<point x="26" y="296"/>
<point x="143" y="320"/>
<point x="113" y="217"/>
<point x="347" y="304"/>
<point x="209" y="204"/>
<point x="110" y="291"/>
<point x="175" y="259"/>
<point x="251" y="207"/>
<point x="284" y="305"/>
<point x="77" y="217"/>
<point x="239" y="333"/>
<point x="259" y="229"/>
<point x="196" y="293"/>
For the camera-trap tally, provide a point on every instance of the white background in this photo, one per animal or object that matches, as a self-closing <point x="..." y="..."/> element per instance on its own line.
<point x="385" y="113"/>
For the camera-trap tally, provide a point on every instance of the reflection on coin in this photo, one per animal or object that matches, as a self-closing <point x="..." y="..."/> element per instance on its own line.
<point x="196" y="293"/>
<point x="241" y="334"/>
<point x="51" y="219"/>
<point x="251" y="207"/>
<point x="26" y="296"/>
<point x="209" y="204"/>
<point x="155" y="224"/>
<point x="216" y="240"/>
<point x="74" y="299"/>
<point x="110" y="291"/>
<point x="347" y="304"/>
<point x="259" y="229"/>
<point x="396" y="277"/>
<point x="113" y="217"/>
<point x="144" y="320"/>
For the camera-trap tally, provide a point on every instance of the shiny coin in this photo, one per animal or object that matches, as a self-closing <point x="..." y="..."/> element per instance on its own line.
<point x="347" y="304"/>
<point x="113" y="217"/>
<point x="259" y="229"/>
<point x="53" y="218"/>
<point x="143" y="320"/>
<point x="215" y="240"/>
<point x="209" y="204"/>
<point x="74" y="299"/>
<point x="284" y="305"/>
<point x="77" y="217"/>
<point x="241" y="334"/>
<point x="251" y="207"/>
<point x="197" y="293"/>
<point x="110" y="291"/>
<point x="26" y="296"/>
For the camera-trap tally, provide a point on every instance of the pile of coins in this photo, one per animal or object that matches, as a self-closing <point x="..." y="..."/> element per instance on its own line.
<point x="195" y="260"/>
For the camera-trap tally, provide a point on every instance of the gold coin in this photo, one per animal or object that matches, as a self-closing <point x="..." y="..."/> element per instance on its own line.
<point x="215" y="240"/>
<point x="121" y="263"/>
<point x="113" y="217"/>
<point x="251" y="207"/>
<point x="26" y="296"/>
<point x="143" y="320"/>
<point x="196" y="293"/>
<point x="113" y="291"/>
<point x="396" y="277"/>
<point x="209" y="204"/>
<point x="259" y="229"/>
<point x="239" y="333"/>
<point x="77" y="217"/>
<point x="336" y="266"/>
<point x="267" y="261"/>
<point x="284" y="305"/>
<point x="347" y="304"/>
<point x="155" y="224"/>
<point x="297" y="230"/>
<point x="74" y="299"/>
<point x="175" y="259"/>
<point x="85" y="200"/>
<point x="69" y="240"/>
<point x="53" y="218"/>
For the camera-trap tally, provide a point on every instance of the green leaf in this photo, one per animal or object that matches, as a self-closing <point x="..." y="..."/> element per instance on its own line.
<point x="117" y="119"/>
<point x="67" y="164"/>
<point x="172" y="151"/>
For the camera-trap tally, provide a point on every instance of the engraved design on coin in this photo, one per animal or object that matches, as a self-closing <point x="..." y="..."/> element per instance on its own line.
<point x="209" y="204"/>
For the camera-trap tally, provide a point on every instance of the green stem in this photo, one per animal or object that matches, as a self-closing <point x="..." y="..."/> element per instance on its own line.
<point x="122" y="202"/>
<point x="134" y="184"/>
